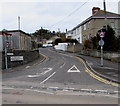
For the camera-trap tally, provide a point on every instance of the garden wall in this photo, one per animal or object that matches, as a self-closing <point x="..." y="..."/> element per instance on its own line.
<point x="15" y="59"/>
<point x="106" y="55"/>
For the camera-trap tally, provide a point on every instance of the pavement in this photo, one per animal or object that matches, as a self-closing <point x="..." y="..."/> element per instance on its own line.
<point x="109" y="71"/>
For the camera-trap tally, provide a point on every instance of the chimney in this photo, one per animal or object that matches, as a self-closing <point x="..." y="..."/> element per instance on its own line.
<point x="95" y="10"/>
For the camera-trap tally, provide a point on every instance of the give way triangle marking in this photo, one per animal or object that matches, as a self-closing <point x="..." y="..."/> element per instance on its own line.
<point x="73" y="69"/>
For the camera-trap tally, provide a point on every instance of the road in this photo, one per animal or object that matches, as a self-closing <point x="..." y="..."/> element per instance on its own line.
<point x="60" y="79"/>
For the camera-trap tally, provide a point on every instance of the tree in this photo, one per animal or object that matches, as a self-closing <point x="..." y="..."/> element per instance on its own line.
<point x="94" y="42"/>
<point x="43" y="34"/>
<point x="109" y="39"/>
<point x="58" y="41"/>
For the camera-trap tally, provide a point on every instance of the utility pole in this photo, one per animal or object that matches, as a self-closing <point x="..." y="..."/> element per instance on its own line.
<point x="59" y="32"/>
<point x="104" y="5"/>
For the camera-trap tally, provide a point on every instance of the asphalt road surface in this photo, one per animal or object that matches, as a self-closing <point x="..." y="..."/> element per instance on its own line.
<point x="60" y="79"/>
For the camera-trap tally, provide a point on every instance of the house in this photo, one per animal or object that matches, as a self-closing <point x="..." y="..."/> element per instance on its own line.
<point x="89" y="27"/>
<point x="20" y="40"/>
<point x="5" y="41"/>
<point x="69" y="34"/>
<point x="52" y="39"/>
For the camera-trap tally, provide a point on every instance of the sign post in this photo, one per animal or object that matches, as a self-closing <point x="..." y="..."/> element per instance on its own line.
<point x="6" y="47"/>
<point x="101" y="43"/>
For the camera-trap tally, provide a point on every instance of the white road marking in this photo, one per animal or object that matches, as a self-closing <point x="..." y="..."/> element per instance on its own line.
<point x="109" y="68"/>
<point x="101" y="90"/>
<point x="39" y="74"/>
<point x="48" y="78"/>
<point x="53" y="87"/>
<point x="75" y="69"/>
<point x="27" y="67"/>
<point x="8" y="88"/>
<point x="40" y="91"/>
<point x="62" y="65"/>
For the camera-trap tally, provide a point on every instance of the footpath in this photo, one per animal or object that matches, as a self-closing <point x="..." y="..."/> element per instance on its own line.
<point x="109" y="71"/>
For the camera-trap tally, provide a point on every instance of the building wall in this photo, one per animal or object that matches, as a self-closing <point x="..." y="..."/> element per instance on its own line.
<point x="1" y="43"/>
<point x="77" y="34"/>
<point x="91" y="28"/>
<point x="15" y="40"/>
<point x="21" y="41"/>
<point x="28" y="43"/>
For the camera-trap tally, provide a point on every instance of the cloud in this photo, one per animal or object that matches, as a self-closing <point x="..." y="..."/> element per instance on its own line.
<point x="34" y="15"/>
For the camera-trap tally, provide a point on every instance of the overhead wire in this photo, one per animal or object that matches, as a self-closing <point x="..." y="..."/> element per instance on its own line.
<point x="69" y="14"/>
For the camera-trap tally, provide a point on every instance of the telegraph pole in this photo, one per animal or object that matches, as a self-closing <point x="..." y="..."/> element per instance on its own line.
<point x="104" y="5"/>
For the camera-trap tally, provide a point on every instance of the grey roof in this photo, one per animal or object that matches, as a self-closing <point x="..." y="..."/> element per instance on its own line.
<point x="10" y="31"/>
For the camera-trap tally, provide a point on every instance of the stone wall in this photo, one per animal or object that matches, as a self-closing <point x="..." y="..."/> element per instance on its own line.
<point x="0" y="60"/>
<point x="106" y="55"/>
<point x="28" y="56"/>
<point x="74" y="48"/>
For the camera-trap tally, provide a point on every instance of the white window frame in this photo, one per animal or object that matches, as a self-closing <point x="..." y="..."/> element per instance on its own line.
<point x="84" y="27"/>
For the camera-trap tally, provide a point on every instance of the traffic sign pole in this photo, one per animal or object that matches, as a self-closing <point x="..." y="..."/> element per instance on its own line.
<point x="101" y="43"/>
<point x="101" y="56"/>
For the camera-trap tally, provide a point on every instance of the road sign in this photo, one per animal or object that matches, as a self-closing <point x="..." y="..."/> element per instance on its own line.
<point x="10" y="54"/>
<point x="16" y="58"/>
<point x="101" y="42"/>
<point x="102" y="34"/>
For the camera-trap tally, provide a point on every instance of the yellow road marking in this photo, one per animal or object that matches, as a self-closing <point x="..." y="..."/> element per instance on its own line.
<point x="96" y="76"/>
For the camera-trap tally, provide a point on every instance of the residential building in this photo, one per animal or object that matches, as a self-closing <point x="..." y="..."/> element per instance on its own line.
<point x="89" y="27"/>
<point x="20" y="40"/>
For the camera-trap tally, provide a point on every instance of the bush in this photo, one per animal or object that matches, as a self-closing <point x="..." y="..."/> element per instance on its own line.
<point x="58" y="41"/>
<point x="87" y="44"/>
<point x="71" y="41"/>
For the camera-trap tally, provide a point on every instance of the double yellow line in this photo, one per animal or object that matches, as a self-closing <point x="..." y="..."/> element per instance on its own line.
<point x="96" y="76"/>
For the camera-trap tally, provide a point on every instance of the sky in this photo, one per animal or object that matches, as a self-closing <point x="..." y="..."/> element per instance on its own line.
<point x="53" y="15"/>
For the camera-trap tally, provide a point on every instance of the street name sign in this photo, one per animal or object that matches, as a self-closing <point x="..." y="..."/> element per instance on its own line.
<point x="16" y="58"/>
<point x="10" y="54"/>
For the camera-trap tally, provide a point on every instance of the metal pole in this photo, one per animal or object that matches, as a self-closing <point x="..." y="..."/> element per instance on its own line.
<point x="101" y="56"/>
<point x="6" y="63"/>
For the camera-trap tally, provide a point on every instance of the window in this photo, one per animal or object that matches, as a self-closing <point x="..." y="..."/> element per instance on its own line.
<point x="84" y="26"/>
<point x="88" y="25"/>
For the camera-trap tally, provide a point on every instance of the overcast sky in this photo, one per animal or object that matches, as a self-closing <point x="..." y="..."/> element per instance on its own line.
<point x="50" y="14"/>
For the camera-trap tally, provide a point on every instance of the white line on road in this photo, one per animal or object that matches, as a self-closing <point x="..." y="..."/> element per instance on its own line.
<point x="62" y="65"/>
<point x="39" y="74"/>
<point x="48" y="78"/>
<point x="40" y="91"/>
